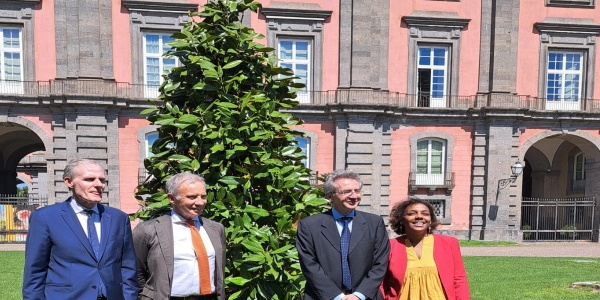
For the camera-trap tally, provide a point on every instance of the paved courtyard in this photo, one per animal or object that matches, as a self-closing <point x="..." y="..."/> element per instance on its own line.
<point x="543" y="249"/>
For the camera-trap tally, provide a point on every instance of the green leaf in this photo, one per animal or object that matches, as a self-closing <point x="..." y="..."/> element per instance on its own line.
<point x="229" y="180"/>
<point x="252" y="245"/>
<point x="232" y="64"/>
<point x="256" y="211"/>
<point x="237" y="280"/>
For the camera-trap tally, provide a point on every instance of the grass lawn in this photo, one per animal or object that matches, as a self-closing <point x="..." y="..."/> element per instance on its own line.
<point x="530" y="278"/>
<point x="11" y="274"/>
<point x="490" y="278"/>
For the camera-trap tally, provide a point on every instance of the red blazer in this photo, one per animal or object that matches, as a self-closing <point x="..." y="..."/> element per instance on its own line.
<point x="446" y="253"/>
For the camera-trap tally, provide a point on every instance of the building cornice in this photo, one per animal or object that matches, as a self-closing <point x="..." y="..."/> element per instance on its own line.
<point x="568" y="25"/>
<point x="159" y="6"/>
<point x="282" y="10"/>
<point x="30" y="2"/>
<point x="428" y="19"/>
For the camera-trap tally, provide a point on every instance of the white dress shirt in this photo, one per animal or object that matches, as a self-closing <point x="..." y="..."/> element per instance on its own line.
<point x="185" y="270"/>
<point x="82" y="216"/>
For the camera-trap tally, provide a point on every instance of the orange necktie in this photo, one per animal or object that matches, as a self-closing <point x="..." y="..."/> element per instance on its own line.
<point x="202" y="257"/>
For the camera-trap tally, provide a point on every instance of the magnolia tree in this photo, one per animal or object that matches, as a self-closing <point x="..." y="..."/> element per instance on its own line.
<point x="222" y="114"/>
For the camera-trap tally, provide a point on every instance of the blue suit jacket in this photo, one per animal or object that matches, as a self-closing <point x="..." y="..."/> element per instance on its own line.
<point x="60" y="262"/>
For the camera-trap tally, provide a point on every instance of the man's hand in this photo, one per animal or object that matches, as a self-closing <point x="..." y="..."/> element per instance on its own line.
<point x="350" y="297"/>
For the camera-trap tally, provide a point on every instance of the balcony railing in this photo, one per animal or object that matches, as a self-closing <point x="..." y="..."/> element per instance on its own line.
<point x="431" y="181"/>
<point x="95" y="88"/>
<point x="112" y="89"/>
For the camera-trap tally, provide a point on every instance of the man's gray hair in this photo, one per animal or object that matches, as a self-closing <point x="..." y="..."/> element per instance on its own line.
<point x="69" y="171"/>
<point x="173" y="184"/>
<point x="329" y="187"/>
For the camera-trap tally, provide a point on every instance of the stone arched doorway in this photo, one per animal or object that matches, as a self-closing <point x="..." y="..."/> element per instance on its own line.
<point x="17" y="142"/>
<point x="560" y="185"/>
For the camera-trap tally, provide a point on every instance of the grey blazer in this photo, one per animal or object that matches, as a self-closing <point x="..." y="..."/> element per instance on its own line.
<point x="318" y="244"/>
<point x="153" y="242"/>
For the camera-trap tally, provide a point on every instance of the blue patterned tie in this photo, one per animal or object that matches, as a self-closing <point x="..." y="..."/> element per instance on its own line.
<point x="345" y="242"/>
<point x="92" y="234"/>
<point x="95" y="242"/>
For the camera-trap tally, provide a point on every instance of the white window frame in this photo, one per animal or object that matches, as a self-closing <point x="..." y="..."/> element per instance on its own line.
<point x="151" y="136"/>
<point x="302" y="95"/>
<point x="151" y="91"/>
<point x="578" y="164"/>
<point x="429" y="178"/>
<point x="562" y="99"/>
<point x="11" y="85"/>
<point x="429" y="99"/>
<point x="305" y="149"/>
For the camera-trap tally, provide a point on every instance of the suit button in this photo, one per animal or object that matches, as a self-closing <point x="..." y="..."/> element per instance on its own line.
<point x="93" y="286"/>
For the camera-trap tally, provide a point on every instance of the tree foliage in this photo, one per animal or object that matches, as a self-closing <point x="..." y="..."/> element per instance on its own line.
<point x="221" y="115"/>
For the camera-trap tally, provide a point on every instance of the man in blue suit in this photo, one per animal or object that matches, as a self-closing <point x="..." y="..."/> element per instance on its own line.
<point x="80" y="249"/>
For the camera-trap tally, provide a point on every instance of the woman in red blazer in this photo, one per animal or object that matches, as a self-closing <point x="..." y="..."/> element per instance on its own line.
<point x="417" y="255"/>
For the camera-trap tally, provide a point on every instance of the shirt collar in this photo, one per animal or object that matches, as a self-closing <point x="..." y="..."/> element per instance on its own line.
<point x="337" y="215"/>
<point x="176" y="218"/>
<point x="78" y="208"/>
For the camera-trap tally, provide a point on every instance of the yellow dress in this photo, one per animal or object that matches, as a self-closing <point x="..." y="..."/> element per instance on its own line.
<point x="421" y="281"/>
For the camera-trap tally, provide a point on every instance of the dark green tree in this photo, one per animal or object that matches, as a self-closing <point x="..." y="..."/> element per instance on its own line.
<point x="222" y="114"/>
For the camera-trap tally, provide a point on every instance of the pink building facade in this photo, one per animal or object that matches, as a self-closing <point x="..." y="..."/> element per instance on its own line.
<point x="433" y="100"/>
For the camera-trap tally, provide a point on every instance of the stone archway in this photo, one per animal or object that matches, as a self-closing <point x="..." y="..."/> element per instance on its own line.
<point x="556" y="186"/>
<point x="17" y="141"/>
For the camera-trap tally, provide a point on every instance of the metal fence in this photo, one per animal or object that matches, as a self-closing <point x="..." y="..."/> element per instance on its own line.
<point x="567" y="219"/>
<point x="14" y="216"/>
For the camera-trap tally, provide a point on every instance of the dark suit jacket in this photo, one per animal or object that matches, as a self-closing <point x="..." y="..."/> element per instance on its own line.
<point x="318" y="243"/>
<point x="153" y="241"/>
<point x="60" y="262"/>
<point x="448" y="260"/>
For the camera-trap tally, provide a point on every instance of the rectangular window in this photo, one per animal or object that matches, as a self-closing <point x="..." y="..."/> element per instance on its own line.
<point x="430" y="162"/>
<point x="11" y="61"/>
<point x="579" y="167"/>
<point x="295" y="54"/>
<point x="579" y="173"/>
<point x="149" y="140"/>
<point x="432" y="76"/>
<point x="155" y="65"/>
<point x="304" y="144"/>
<point x="563" y="80"/>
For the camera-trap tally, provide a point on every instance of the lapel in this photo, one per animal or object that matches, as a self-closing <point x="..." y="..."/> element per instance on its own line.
<point x="330" y="232"/>
<point x="72" y="222"/>
<point x="215" y="239"/>
<point x="359" y="225"/>
<point x="213" y="234"/>
<point x="164" y="232"/>
<point x="105" y="225"/>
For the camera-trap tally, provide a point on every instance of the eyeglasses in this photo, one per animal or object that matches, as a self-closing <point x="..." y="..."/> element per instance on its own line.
<point x="349" y="192"/>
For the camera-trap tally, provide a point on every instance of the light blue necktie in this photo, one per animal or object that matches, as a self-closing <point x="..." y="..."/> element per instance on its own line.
<point x="95" y="242"/>
<point x="345" y="243"/>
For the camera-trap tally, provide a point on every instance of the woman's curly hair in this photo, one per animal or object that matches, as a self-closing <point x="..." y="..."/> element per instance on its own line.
<point x="399" y="210"/>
